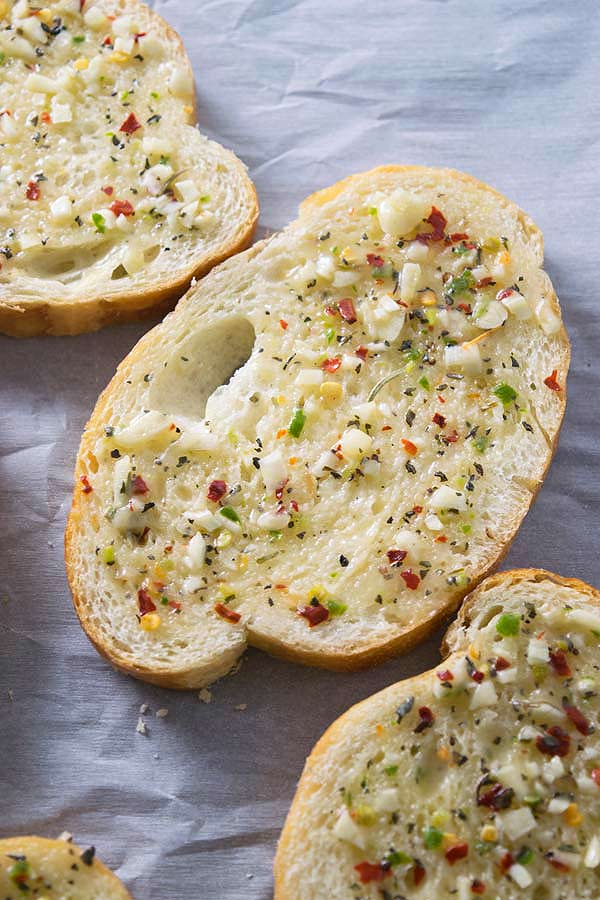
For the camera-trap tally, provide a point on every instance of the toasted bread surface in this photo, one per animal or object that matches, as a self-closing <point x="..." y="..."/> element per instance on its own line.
<point x="332" y="439"/>
<point x="54" y="870"/>
<point x="479" y="777"/>
<point x="112" y="200"/>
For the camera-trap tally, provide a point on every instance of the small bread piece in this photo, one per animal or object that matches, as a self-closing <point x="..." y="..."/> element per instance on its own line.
<point x="332" y="439"/>
<point x="54" y="870"/>
<point x="110" y="198"/>
<point x="479" y="778"/>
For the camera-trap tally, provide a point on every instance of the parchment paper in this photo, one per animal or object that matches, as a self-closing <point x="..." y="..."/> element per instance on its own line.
<point x="305" y="92"/>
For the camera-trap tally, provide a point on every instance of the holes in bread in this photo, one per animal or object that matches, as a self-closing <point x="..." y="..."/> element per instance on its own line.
<point x="65" y="264"/>
<point x="200" y="365"/>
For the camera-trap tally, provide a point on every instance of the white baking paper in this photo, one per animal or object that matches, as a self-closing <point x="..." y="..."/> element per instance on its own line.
<point x="305" y="92"/>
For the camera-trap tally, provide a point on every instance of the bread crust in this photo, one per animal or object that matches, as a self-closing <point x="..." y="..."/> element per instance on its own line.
<point x="35" y="848"/>
<point x="56" y="317"/>
<point x="297" y="813"/>
<point x="369" y="652"/>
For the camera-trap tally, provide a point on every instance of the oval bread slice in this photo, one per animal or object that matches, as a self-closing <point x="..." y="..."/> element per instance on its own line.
<point x="478" y="778"/>
<point x="110" y="198"/>
<point x="54" y="870"/>
<point x="330" y="441"/>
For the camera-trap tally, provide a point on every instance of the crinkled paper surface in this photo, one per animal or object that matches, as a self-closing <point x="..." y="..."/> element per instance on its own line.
<point x="305" y="92"/>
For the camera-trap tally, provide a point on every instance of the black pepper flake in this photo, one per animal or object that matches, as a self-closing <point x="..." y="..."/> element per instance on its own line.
<point x="410" y="418"/>
<point x="409" y="467"/>
<point x="115" y="454"/>
<point x="404" y="708"/>
<point x="87" y="857"/>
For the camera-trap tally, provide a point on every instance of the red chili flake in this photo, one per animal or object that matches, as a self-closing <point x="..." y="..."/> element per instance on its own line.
<point x="503" y="294"/>
<point x="595" y="774"/>
<point x="33" y="191"/>
<point x="81" y="5"/>
<point x="140" y="34"/>
<point x="294" y="505"/>
<point x="122" y="208"/>
<point x="107" y="42"/>
<point x="445" y="675"/>
<point x="409" y="447"/>
<point x="485" y="282"/>
<point x="396" y="556"/>
<point x="347" y="311"/>
<point x="497" y="797"/>
<point x="411" y="580"/>
<point x="369" y="872"/>
<point x="139" y="486"/>
<point x="331" y="364"/>
<point x="451" y="438"/>
<point x="361" y="352"/>
<point x="438" y="221"/>
<point x="374" y="260"/>
<point x="466" y="308"/>
<point x="108" y="190"/>
<point x="227" y="613"/>
<point x="556" y="863"/>
<point x="387" y="428"/>
<point x="458" y="236"/>
<point x="173" y="604"/>
<point x="456" y="852"/>
<point x="441" y="399"/>
<point x="554" y="741"/>
<point x="506" y="862"/>
<point x="477" y="887"/>
<point x="441" y="539"/>
<point x="578" y="719"/>
<point x="559" y="663"/>
<point x="46" y="118"/>
<point x="86" y="486"/>
<point x="130" y="124"/>
<point x="315" y="614"/>
<point x="418" y="873"/>
<point x="216" y="490"/>
<point x="417" y="510"/>
<point x="438" y="419"/>
<point x="551" y="381"/>
<point x="501" y="664"/>
<point x="283" y="324"/>
<point x="477" y="676"/>
<point x="331" y="310"/>
<point x="145" y="602"/>
<point x="426" y="719"/>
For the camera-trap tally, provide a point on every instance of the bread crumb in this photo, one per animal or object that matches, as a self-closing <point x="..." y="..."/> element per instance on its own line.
<point x="141" y="726"/>
<point x="205" y="695"/>
<point x="161" y="713"/>
<point x="241" y="706"/>
<point x="11" y="696"/>
<point x="65" y="836"/>
<point x="249" y="875"/>
<point x="144" y="709"/>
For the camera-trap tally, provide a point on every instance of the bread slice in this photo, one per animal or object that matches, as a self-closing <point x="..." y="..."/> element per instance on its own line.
<point x="111" y="200"/>
<point x="54" y="870"/>
<point x="479" y="778"/>
<point x="331" y="440"/>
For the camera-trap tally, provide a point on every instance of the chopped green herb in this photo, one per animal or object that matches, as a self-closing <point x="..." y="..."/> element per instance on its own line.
<point x="390" y="770"/>
<point x="508" y="625"/>
<point x="297" y="422"/>
<point x="461" y="283"/>
<point x="78" y="38"/>
<point x="98" y="220"/>
<point x="229" y="513"/>
<point x="108" y="555"/>
<point x="525" y="856"/>
<point x="424" y="383"/>
<point x="432" y="838"/>
<point x="335" y="608"/>
<point x="397" y="858"/>
<point x="505" y="393"/>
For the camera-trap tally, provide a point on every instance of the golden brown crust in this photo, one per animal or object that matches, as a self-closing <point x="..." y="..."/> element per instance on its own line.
<point x="369" y="653"/>
<point x="35" y="848"/>
<point x="296" y="815"/>
<point x="48" y="317"/>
